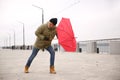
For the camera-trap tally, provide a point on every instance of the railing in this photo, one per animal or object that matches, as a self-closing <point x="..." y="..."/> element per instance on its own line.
<point x="89" y="46"/>
<point x="101" y="45"/>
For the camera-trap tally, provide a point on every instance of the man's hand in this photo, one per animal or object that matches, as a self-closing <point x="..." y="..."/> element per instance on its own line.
<point x="46" y="38"/>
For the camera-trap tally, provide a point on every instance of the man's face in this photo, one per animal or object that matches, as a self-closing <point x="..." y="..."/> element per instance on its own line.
<point x="50" y="25"/>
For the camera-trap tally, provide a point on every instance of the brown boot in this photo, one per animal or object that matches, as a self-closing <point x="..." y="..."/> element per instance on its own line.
<point x="52" y="70"/>
<point x="26" y="69"/>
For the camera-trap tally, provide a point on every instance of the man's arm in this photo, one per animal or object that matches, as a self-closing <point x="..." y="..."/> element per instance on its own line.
<point x="39" y="32"/>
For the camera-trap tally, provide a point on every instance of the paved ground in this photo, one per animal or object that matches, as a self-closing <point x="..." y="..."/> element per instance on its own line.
<point x="69" y="66"/>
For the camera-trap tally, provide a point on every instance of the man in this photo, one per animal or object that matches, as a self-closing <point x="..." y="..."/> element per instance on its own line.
<point x="45" y="34"/>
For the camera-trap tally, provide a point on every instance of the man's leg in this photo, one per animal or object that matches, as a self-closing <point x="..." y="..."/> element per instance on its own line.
<point x="52" y="59"/>
<point x="34" y="53"/>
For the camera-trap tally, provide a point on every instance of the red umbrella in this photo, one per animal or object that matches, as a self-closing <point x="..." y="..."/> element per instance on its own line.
<point x="66" y="35"/>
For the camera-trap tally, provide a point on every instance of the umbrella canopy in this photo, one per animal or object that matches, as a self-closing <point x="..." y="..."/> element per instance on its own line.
<point x="66" y="35"/>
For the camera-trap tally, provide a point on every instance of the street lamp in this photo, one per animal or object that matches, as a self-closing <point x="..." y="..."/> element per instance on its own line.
<point x="9" y="40"/>
<point x="14" y="42"/>
<point x="14" y="38"/>
<point x="23" y="34"/>
<point x="42" y="12"/>
<point x="6" y="43"/>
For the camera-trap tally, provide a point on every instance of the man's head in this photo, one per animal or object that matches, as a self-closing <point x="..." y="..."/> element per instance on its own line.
<point x="52" y="22"/>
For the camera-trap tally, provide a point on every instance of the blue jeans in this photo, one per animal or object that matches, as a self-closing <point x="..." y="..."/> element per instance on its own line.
<point x="34" y="53"/>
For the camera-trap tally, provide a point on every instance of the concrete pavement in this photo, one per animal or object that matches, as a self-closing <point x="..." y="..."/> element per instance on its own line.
<point x="69" y="66"/>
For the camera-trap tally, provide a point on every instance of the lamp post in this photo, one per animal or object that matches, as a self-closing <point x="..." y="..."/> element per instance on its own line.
<point x="9" y="40"/>
<point x="14" y="38"/>
<point x="23" y="34"/>
<point x="14" y="42"/>
<point x="6" y="43"/>
<point x="42" y="12"/>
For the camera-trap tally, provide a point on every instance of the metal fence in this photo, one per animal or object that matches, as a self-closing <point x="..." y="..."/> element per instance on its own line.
<point x="97" y="46"/>
<point x="101" y="45"/>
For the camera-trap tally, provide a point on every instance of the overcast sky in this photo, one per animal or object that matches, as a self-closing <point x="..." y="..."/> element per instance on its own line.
<point x="90" y="19"/>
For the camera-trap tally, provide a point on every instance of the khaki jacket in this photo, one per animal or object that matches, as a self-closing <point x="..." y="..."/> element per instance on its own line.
<point x="41" y="32"/>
